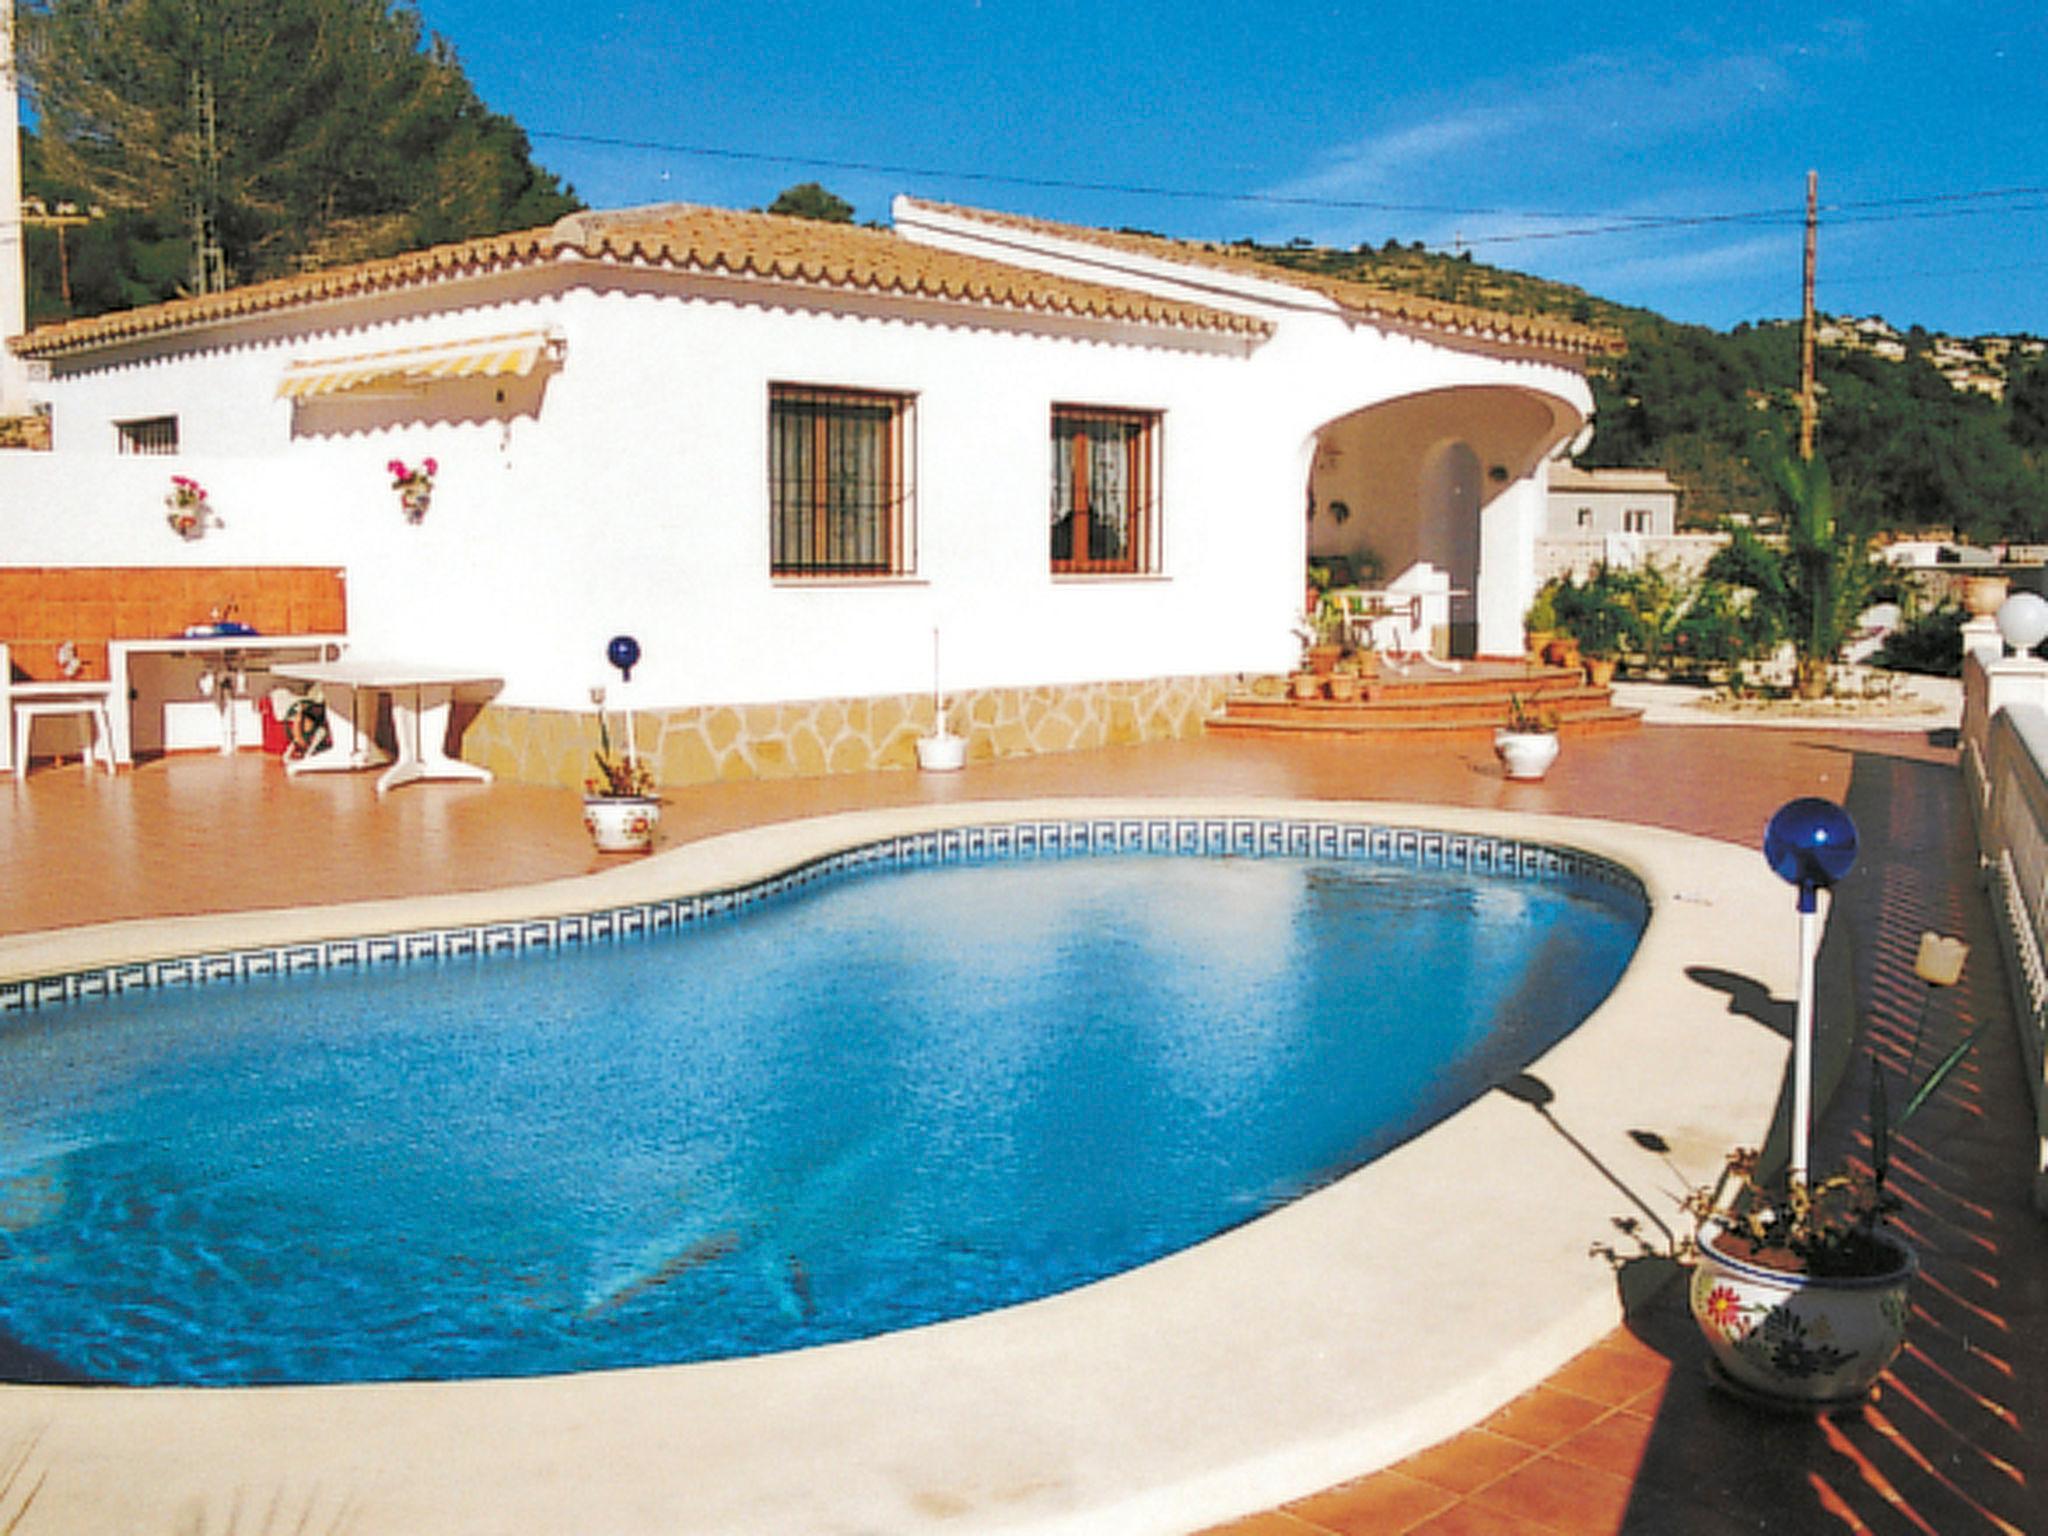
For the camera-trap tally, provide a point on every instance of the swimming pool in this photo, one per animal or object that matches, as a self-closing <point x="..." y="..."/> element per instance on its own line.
<point x="1103" y="1060"/>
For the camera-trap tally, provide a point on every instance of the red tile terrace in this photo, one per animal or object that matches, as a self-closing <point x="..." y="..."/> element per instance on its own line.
<point x="1630" y="1437"/>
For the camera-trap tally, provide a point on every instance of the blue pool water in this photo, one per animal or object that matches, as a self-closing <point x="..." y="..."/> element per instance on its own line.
<point x="884" y="1101"/>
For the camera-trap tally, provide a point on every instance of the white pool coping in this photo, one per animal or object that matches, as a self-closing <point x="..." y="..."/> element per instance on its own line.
<point x="1369" y="1320"/>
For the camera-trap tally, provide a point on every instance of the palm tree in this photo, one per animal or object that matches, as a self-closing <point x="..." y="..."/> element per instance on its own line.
<point x="1810" y="586"/>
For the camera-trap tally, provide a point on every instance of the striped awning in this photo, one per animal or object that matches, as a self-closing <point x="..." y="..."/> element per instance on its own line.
<point x="409" y="368"/>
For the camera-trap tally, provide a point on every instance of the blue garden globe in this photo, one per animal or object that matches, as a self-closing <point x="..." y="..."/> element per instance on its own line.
<point x="1810" y="843"/>
<point x="623" y="653"/>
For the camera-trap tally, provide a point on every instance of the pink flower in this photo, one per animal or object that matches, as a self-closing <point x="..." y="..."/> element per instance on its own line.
<point x="432" y="468"/>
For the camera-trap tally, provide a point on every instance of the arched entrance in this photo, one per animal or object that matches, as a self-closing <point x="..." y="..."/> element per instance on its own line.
<point x="1445" y="477"/>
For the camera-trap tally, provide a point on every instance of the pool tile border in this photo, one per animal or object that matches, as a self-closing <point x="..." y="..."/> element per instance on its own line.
<point x="1207" y="836"/>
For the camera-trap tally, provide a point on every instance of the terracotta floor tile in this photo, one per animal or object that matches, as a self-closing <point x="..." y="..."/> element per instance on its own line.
<point x="1469" y="1519"/>
<point x="1614" y="1445"/>
<point x="1389" y="1503"/>
<point x="1560" y="1496"/>
<point x="1613" y="1374"/>
<point x="1544" y="1417"/>
<point x="1271" y="1522"/>
<point x="1468" y="1462"/>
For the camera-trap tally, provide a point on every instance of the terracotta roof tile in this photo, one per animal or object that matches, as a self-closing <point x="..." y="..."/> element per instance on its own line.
<point x="1360" y="298"/>
<point x="758" y="245"/>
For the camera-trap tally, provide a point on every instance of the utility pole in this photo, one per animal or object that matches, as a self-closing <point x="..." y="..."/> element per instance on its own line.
<point x="209" y="266"/>
<point x="14" y="399"/>
<point x="1807" y="402"/>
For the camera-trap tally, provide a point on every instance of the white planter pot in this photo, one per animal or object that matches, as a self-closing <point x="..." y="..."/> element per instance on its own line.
<point x="1796" y="1338"/>
<point x="1526" y="754"/>
<point x="621" y="824"/>
<point x="941" y="754"/>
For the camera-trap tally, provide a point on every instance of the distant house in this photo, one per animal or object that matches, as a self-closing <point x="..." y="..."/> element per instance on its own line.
<point x="783" y="454"/>
<point x="1590" y="503"/>
<point x="1937" y="554"/>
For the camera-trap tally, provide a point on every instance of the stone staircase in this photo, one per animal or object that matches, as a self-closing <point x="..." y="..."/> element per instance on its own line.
<point x="1424" y="703"/>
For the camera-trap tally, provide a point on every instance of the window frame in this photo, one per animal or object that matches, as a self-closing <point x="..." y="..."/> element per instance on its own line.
<point x="147" y="436"/>
<point x="1145" y="455"/>
<point x="795" y="554"/>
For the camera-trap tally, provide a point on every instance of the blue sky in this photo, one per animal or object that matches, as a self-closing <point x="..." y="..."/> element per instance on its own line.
<point x="1653" y="153"/>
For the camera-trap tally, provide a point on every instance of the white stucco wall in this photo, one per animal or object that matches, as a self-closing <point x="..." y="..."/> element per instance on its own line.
<point x="636" y="499"/>
<point x="624" y="489"/>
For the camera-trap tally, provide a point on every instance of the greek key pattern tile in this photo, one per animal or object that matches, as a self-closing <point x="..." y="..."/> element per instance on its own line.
<point x="1246" y="837"/>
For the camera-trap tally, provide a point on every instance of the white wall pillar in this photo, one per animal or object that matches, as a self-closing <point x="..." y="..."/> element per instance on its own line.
<point x="1508" y="527"/>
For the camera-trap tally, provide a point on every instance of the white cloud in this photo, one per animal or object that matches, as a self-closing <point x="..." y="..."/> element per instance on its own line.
<point x="1552" y="141"/>
<point x="1777" y="251"/>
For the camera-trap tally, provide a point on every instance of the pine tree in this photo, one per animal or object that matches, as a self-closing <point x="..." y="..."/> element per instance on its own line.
<point x="275" y="133"/>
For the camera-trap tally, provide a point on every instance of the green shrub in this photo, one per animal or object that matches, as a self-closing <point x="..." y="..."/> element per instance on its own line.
<point x="1930" y="642"/>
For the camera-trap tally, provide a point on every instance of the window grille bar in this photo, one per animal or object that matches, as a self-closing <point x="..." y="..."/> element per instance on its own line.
<point x="840" y="489"/>
<point x="150" y="435"/>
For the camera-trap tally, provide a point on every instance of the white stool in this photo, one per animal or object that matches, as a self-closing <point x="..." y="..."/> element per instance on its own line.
<point x="93" y="706"/>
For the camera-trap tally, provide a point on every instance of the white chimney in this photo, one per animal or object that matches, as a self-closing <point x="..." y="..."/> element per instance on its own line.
<point x="14" y="399"/>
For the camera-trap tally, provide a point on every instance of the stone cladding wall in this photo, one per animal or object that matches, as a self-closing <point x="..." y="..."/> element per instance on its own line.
<point x="820" y="736"/>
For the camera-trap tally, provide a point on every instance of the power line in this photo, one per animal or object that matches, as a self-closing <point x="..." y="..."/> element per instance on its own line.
<point x="1876" y="210"/>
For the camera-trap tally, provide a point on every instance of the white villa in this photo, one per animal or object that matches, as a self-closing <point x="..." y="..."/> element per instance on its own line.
<point x="783" y="454"/>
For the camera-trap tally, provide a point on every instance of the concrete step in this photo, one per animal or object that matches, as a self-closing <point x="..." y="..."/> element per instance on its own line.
<point x="1439" y="704"/>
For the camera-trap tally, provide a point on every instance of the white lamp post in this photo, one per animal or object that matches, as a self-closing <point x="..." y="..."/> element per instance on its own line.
<point x="1810" y="843"/>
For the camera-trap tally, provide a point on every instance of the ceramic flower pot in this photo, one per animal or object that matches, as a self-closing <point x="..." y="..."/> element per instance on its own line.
<point x="621" y="823"/>
<point x="1343" y="686"/>
<point x="1983" y="595"/>
<point x="1796" y="1338"/>
<point x="1525" y="754"/>
<point x="1305" y="685"/>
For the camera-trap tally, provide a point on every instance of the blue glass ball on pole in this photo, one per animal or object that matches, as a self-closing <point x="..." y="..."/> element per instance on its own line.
<point x="1810" y="843"/>
<point x="623" y="653"/>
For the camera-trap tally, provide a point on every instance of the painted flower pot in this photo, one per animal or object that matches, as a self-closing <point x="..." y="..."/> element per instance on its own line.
<point x="1343" y="686"/>
<point x="621" y="823"/>
<point x="1305" y="685"/>
<point x="1525" y="754"/>
<point x="1796" y="1338"/>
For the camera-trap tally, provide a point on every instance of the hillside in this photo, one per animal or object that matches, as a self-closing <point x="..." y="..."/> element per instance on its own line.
<point x="1925" y="432"/>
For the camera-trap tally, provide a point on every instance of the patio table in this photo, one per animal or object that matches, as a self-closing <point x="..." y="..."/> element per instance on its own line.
<point x="421" y="697"/>
<point x="228" y="655"/>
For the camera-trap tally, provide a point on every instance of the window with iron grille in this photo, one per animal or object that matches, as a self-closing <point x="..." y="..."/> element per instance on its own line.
<point x="149" y="434"/>
<point x="840" y="482"/>
<point x="1105" y="490"/>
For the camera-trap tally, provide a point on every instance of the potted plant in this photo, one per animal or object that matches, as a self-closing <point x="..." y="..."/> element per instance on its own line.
<point x="1527" y="743"/>
<point x="1539" y="624"/>
<point x="1798" y="1285"/>
<point x="1344" y="682"/>
<point x="620" y="808"/>
<point x="1326" y="636"/>
<point x="1595" y="620"/>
